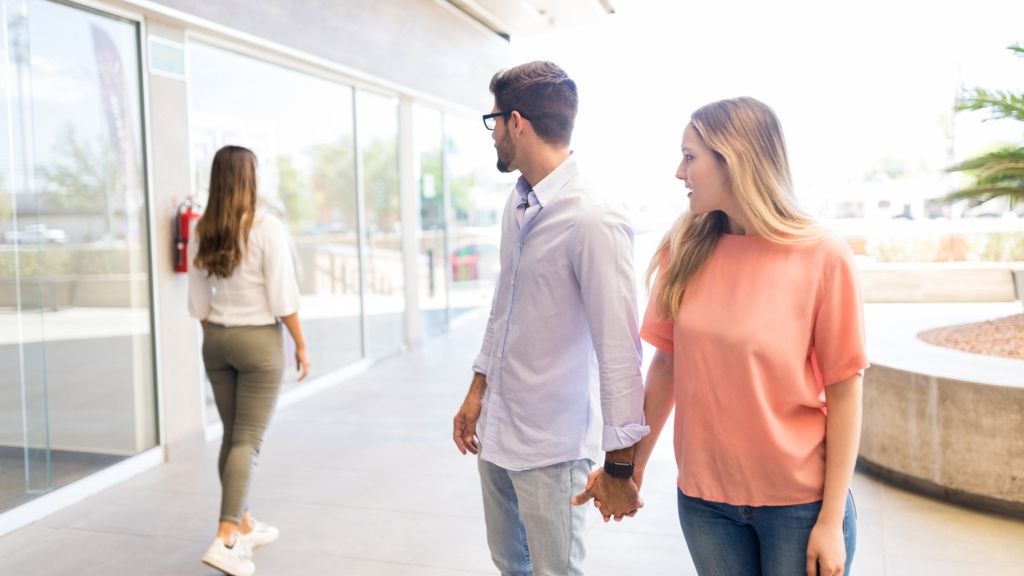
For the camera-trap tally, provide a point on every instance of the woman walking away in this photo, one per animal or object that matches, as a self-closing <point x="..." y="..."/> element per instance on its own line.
<point x="242" y="287"/>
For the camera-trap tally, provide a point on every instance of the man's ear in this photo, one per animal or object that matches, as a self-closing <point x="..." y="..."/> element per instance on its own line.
<point x="515" y="121"/>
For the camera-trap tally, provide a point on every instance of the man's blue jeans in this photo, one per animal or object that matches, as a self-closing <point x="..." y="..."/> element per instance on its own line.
<point x="532" y="530"/>
<point x="726" y="540"/>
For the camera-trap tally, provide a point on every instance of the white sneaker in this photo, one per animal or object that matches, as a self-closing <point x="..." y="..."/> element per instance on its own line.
<point x="236" y="561"/>
<point x="261" y="535"/>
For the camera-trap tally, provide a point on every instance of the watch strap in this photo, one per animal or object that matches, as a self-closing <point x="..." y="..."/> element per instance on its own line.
<point x="620" y="470"/>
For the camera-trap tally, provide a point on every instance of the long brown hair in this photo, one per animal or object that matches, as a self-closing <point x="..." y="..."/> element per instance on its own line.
<point x="746" y="136"/>
<point x="223" y="231"/>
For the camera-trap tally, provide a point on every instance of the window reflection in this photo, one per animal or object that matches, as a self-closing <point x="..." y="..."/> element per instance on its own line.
<point x="432" y="261"/>
<point x="300" y="128"/>
<point x="77" y="390"/>
<point x="478" y="193"/>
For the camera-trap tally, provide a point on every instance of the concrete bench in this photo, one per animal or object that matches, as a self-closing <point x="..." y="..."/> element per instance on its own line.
<point x="939" y="282"/>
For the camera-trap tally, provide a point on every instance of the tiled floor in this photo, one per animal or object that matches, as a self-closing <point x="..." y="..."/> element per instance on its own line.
<point x="363" y="481"/>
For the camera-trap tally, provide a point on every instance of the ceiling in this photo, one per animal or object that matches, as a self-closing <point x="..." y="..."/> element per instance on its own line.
<point x="509" y="18"/>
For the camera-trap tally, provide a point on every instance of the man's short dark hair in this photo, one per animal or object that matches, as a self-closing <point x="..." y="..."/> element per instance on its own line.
<point x="544" y="94"/>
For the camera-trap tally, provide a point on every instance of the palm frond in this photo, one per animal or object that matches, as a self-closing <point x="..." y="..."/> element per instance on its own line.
<point x="1008" y="160"/>
<point x="985" y="193"/>
<point x="999" y="103"/>
<point x="999" y="173"/>
<point x="1007" y="156"/>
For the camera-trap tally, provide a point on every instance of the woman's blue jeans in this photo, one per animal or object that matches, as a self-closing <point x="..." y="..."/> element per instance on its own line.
<point x="727" y="540"/>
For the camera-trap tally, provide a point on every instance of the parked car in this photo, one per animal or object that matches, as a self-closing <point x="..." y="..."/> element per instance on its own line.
<point x="475" y="261"/>
<point x="36" y="234"/>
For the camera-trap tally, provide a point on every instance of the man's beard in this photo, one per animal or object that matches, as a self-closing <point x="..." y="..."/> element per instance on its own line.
<point x="505" y="150"/>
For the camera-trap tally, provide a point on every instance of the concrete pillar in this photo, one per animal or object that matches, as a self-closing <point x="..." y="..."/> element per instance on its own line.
<point x="178" y="346"/>
<point x="409" y="170"/>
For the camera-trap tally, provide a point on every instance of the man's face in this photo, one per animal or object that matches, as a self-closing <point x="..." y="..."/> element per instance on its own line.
<point x="503" y="144"/>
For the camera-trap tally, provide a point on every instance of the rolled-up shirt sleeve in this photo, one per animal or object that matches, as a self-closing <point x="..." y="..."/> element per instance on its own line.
<point x="279" y="271"/>
<point x="839" y="347"/>
<point x="603" y="262"/>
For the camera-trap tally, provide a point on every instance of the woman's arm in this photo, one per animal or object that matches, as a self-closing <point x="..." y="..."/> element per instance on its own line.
<point x="291" y="322"/>
<point x="826" y="549"/>
<point x="659" y="400"/>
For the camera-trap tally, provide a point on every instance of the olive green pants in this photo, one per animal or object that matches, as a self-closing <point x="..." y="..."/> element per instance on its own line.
<point x="245" y="365"/>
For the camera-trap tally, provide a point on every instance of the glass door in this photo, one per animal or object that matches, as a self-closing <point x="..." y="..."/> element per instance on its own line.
<point x="77" y="389"/>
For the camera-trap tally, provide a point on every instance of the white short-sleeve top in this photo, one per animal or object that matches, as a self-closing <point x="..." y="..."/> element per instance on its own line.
<point x="262" y="288"/>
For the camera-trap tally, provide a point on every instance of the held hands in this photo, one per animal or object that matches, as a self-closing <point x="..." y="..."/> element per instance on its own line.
<point x="613" y="497"/>
<point x="826" y="550"/>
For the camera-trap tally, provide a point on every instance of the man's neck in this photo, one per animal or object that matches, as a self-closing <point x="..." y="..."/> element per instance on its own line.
<point x="542" y="163"/>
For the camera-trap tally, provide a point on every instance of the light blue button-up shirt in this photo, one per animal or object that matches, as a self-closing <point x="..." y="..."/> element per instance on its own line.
<point x="562" y="348"/>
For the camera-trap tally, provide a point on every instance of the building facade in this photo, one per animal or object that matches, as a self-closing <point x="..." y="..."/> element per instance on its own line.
<point x="364" y="116"/>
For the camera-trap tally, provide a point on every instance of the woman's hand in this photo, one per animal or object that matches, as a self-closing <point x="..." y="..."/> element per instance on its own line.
<point x="302" y="362"/>
<point x="638" y="476"/>
<point x="826" y="550"/>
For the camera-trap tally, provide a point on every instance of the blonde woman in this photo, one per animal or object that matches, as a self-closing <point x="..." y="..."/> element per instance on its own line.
<point x="756" y="316"/>
<point x="242" y="287"/>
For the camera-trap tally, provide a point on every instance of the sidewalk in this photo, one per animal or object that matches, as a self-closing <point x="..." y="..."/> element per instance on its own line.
<point x="363" y="480"/>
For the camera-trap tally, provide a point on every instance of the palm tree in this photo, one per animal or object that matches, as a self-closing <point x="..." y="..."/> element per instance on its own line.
<point x="999" y="173"/>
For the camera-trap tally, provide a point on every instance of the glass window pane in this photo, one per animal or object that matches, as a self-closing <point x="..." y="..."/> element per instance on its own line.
<point x="300" y="128"/>
<point x="478" y="193"/>
<point x="77" y="392"/>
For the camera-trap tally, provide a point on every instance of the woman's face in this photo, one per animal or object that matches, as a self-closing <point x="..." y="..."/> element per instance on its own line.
<point x="704" y="175"/>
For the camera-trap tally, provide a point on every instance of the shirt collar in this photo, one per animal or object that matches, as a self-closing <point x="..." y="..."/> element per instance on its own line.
<point x="548" y="188"/>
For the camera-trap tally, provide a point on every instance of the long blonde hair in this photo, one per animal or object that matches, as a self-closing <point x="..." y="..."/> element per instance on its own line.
<point x="223" y="231"/>
<point x="747" y="139"/>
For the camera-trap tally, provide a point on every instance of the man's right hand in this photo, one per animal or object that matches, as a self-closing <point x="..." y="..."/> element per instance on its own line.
<point x="464" y="423"/>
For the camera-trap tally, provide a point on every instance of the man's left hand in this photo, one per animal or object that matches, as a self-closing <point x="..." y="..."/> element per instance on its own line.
<point x="614" y="497"/>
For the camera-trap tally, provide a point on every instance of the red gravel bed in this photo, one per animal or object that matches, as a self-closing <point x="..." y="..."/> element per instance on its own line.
<point x="1000" y="337"/>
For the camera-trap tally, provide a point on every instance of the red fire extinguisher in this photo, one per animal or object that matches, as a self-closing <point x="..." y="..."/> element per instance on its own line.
<point x="186" y="214"/>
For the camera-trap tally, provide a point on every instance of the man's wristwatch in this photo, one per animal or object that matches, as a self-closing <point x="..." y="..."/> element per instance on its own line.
<point x="620" y="470"/>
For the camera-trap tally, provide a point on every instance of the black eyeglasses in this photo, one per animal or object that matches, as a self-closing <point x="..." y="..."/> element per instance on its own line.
<point x="491" y="120"/>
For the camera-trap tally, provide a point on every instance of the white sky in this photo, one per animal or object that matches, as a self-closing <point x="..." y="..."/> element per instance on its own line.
<point x="852" y="83"/>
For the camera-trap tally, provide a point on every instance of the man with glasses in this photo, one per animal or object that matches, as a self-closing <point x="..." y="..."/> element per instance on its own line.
<point x="557" y="381"/>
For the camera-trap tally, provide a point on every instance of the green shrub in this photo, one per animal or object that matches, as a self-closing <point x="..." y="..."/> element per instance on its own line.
<point x="49" y="261"/>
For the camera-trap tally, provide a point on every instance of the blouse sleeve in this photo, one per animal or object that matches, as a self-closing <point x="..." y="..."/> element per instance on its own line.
<point x="279" y="271"/>
<point x="839" y="325"/>
<point x="655" y="330"/>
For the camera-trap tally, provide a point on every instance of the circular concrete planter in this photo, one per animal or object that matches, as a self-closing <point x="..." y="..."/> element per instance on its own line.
<point x="949" y="424"/>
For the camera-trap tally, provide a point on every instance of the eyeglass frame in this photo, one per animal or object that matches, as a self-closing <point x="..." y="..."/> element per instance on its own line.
<point x="504" y="115"/>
